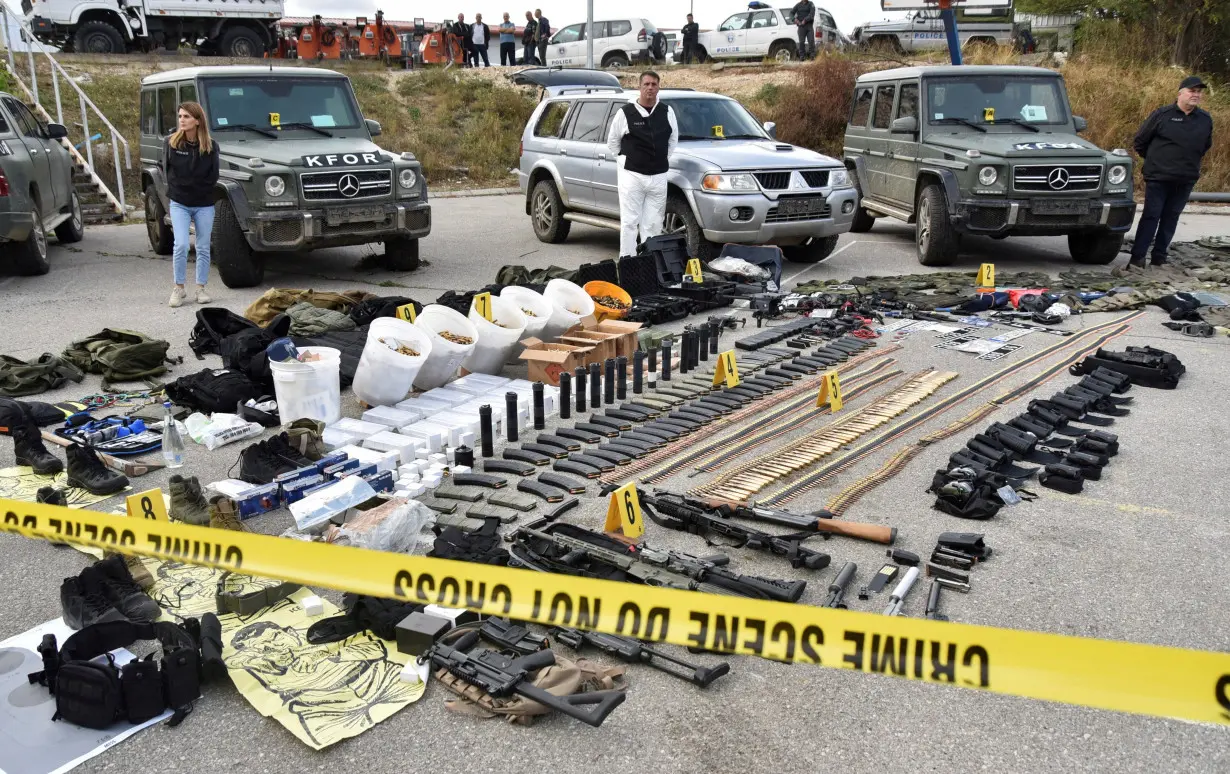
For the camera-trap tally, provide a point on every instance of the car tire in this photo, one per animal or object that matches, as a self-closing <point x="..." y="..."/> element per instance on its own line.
<point x="241" y="42"/>
<point x="73" y="229"/>
<point x="863" y="220"/>
<point x="98" y="37"/>
<point x="547" y="213"/>
<point x="161" y="237"/>
<point x="1096" y="248"/>
<point x="702" y="55"/>
<point x="657" y="47"/>
<point x="29" y="258"/>
<point x="933" y="233"/>
<point x="238" y="264"/>
<point x="680" y="220"/>
<point x="817" y="250"/>
<point x="616" y="60"/>
<point x="783" y="51"/>
<point x="401" y="254"/>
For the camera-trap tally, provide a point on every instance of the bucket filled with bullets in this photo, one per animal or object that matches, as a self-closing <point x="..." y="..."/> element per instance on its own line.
<point x="452" y="337"/>
<point x="395" y="352"/>
<point x="611" y="302"/>
<point x="496" y="337"/>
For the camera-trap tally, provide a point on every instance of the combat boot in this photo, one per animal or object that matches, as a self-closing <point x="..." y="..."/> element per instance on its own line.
<point x="259" y="465"/>
<point x="124" y="593"/>
<point x="84" y="600"/>
<point x="86" y="471"/>
<point x="187" y="503"/>
<point x="224" y="515"/>
<point x="279" y="445"/>
<point x="29" y="449"/>
<point x="49" y="495"/>
<point x="305" y="437"/>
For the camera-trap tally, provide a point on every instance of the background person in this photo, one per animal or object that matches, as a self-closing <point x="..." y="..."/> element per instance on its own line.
<point x="804" y="13"/>
<point x="191" y="169"/>
<point x="461" y="31"/>
<point x="480" y="39"/>
<point x="527" y="38"/>
<point x="542" y="34"/>
<point x="508" y="42"/>
<point x="691" y="38"/>
<point x="1172" y="141"/>
<point x="644" y="135"/>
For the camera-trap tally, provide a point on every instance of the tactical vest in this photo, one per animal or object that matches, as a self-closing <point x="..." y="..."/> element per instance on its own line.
<point x="644" y="147"/>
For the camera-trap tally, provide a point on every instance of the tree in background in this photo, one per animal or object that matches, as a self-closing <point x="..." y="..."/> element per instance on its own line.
<point x="1194" y="34"/>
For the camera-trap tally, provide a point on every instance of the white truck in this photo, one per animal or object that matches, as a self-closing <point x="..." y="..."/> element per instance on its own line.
<point x="761" y="31"/>
<point x="924" y="31"/>
<point x="239" y="29"/>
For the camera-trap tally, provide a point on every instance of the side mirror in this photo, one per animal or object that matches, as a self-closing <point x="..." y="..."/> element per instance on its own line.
<point x="904" y="125"/>
<point x="373" y="127"/>
<point x="56" y="131"/>
<point x="1080" y="123"/>
<point x="771" y="128"/>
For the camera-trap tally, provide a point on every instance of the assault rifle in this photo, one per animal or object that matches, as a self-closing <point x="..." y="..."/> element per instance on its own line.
<point x="677" y="512"/>
<point x="633" y="652"/>
<point x="501" y="676"/>
<point x="668" y="569"/>
<point x="821" y="521"/>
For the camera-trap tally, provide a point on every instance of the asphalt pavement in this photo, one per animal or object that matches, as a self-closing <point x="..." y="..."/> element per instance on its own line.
<point x="1139" y="556"/>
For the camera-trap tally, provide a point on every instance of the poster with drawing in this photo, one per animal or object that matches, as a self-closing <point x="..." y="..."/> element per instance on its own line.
<point x="321" y="693"/>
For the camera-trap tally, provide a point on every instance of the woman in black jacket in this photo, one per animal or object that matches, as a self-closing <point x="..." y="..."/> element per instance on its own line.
<point x="191" y="170"/>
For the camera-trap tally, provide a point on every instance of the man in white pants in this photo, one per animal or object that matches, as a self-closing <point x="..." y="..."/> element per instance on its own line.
<point x="644" y="135"/>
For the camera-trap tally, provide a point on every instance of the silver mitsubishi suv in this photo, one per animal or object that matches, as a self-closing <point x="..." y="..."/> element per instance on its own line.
<point x="730" y="180"/>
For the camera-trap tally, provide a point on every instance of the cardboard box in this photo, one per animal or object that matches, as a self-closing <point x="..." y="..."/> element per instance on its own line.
<point x="612" y="337"/>
<point x="547" y="361"/>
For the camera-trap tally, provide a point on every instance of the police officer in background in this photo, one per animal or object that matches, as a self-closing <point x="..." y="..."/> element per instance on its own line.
<point x="691" y="38"/>
<point x="804" y="14"/>
<point x="644" y="135"/>
<point x="1172" y="142"/>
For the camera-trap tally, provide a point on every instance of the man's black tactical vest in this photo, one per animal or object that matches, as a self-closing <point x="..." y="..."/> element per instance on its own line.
<point x="644" y="146"/>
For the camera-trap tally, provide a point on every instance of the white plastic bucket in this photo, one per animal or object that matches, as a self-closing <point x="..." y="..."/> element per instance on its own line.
<point x="570" y="303"/>
<point x="445" y="356"/>
<point x="384" y="377"/>
<point x="525" y="298"/>
<point x="495" y="338"/>
<point x="311" y="390"/>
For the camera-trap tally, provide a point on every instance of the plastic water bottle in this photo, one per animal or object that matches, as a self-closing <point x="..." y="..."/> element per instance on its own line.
<point x="172" y="441"/>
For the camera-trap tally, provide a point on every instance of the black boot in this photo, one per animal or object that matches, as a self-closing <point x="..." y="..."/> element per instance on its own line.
<point x="29" y="449"/>
<point x="84" y="600"/>
<point x="129" y="598"/>
<point x="86" y="471"/>
<point x="49" y="495"/>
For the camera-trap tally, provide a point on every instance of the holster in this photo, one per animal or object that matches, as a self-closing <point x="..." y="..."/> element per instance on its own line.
<point x="1144" y="366"/>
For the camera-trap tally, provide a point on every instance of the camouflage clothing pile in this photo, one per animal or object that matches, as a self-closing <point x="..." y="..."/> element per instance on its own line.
<point x="1193" y="266"/>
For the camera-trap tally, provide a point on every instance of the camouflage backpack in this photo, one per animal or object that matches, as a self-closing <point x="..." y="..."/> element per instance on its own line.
<point x="121" y="356"/>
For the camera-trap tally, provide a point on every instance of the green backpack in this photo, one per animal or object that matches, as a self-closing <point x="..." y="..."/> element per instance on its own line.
<point x="121" y="356"/>
<point x="19" y="378"/>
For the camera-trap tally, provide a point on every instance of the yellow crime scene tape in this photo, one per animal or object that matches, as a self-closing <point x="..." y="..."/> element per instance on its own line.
<point x="1129" y="677"/>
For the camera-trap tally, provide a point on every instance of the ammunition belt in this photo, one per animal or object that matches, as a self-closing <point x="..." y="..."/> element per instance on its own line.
<point x="1099" y="334"/>
<point x="667" y="461"/>
<point x="743" y="482"/>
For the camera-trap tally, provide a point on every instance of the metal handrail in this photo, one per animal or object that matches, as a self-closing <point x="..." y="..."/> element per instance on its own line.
<point x="83" y="100"/>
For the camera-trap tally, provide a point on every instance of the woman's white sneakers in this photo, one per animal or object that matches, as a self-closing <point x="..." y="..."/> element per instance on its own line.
<point x="179" y="294"/>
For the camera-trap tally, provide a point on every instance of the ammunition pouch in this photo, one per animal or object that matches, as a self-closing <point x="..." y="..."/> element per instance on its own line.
<point x="1062" y="478"/>
<point x="1144" y="366"/>
<point x="1090" y="465"/>
<point x="967" y="493"/>
<point x="97" y="695"/>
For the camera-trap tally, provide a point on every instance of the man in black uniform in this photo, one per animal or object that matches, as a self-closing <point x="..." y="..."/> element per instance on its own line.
<point x="527" y="39"/>
<point x="643" y="135"/>
<point x="804" y="14"/>
<point x="1172" y="142"/>
<point x="691" y="37"/>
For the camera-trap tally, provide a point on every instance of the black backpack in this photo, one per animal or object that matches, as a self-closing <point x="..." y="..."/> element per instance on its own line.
<point x="213" y="325"/>
<point x="385" y="306"/>
<point x="213" y="389"/>
<point x="245" y="351"/>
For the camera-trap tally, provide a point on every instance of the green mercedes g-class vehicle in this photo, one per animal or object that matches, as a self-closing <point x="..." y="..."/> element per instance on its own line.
<point x="987" y="150"/>
<point x="299" y="169"/>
